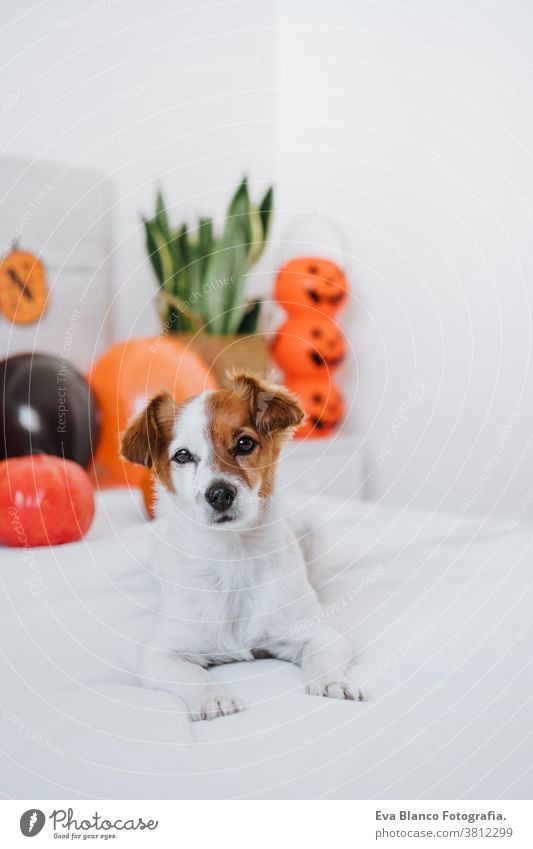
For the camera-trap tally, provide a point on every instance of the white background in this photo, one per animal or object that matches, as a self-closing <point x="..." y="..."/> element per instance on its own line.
<point x="406" y="127"/>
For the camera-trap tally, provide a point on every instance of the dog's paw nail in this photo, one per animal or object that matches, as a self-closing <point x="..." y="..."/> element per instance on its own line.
<point x="216" y="704"/>
<point x="335" y="690"/>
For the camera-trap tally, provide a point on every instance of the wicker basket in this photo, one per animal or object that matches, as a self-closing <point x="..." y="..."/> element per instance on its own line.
<point x="226" y="353"/>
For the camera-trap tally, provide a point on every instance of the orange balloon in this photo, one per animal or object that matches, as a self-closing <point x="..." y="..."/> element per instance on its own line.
<point x="311" y="282"/>
<point x="323" y="403"/>
<point x="309" y="345"/>
<point x="123" y="380"/>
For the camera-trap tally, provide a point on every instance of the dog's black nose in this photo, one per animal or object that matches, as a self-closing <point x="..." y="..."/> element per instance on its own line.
<point x="220" y="496"/>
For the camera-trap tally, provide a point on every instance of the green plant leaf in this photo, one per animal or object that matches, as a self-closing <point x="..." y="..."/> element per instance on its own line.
<point x="205" y="243"/>
<point x="183" y="251"/>
<point x="239" y="207"/>
<point x="176" y="322"/>
<point x="260" y="222"/>
<point x="265" y="211"/>
<point x="164" y="226"/>
<point x="250" y="318"/>
<point x="181" y="241"/>
<point x="239" y="224"/>
<point x="161" y="215"/>
<point x="159" y="253"/>
<point x="226" y="267"/>
<point x="256" y="240"/>
<point x="151" y="250"/>
<point x="209" y="274"/>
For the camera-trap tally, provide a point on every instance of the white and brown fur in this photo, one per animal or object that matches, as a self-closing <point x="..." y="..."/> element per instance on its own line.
<point x="234" y="585"/>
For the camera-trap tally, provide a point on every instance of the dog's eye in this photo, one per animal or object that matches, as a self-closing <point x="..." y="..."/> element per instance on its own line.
<point x="183" y="456"/>
<point x="245" y="445"/>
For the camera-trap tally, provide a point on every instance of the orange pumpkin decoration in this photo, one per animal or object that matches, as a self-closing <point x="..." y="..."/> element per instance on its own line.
<point x="309" y="345"/>
<point x="23" y="288"/>
<point x="311" y="282"/>
<point x="123" y="380"/>
<point x="323" y="403"/>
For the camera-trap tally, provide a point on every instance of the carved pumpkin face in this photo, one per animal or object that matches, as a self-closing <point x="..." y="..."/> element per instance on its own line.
<point x="311" y="282"/>
<point x="309" y="346"/>
<point x="323" y="403"/>
<point x="23" y="289"/>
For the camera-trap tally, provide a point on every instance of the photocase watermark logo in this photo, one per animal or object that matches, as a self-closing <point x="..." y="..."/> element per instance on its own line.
<point x="32" y="822"/>
<point x="65" y="825"/>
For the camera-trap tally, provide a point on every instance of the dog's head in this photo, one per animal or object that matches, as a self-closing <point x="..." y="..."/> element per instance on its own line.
<point x="216" y="453"/>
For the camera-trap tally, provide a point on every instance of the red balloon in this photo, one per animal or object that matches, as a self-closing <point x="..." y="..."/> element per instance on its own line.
<point x="44" y="500"/>
<point x="124" y="379"/>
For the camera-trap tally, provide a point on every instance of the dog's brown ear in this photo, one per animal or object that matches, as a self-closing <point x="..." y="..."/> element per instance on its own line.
<point x="147" y="437"/>
<point x="273" y="407"/>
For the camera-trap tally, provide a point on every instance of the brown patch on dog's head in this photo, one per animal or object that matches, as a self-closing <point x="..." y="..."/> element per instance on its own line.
<point x="147" y="438"/>
<point x="272" y="407"/>
<point x="251" y="407"/>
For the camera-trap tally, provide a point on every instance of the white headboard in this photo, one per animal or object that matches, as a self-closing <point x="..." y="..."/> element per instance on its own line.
<point x="61" y="213"/>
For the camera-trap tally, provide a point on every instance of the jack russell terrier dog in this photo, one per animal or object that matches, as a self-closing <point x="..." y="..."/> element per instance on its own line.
<point x="234" y="581"/>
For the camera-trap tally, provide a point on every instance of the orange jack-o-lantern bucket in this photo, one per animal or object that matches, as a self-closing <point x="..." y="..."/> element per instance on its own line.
<point x="310" y="345"/>
<point x="23" y="287"/>
<point x="311" y="282"/>
<point x="322" y="402"/>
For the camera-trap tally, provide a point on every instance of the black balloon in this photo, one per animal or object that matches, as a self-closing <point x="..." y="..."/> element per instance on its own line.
<point x="47" y="407"/>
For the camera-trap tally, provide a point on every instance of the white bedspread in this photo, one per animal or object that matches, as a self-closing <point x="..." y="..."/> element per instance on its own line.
<point x="438" y="608"/>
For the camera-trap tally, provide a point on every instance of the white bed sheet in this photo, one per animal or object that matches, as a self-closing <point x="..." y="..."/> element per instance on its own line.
<point x="438" y="608"/>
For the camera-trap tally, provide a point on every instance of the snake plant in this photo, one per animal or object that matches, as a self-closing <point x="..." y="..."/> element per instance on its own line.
<point x="202" y="276"/>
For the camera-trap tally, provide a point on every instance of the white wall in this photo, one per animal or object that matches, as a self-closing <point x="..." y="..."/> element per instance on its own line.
<point x="166" y="93"/>
<point x="407" y="128"/>
<point x="411" y="127"/>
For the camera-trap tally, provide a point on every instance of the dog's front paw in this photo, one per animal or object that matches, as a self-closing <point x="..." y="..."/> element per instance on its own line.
<point x="214" y="701"/>
<point x="335" y="690"/>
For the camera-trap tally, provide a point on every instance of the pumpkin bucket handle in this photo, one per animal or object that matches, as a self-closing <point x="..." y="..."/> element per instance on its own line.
<point x="297" y="240"/>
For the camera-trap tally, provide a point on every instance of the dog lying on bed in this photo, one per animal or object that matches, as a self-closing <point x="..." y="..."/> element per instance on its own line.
<point x="233" y="578"/>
